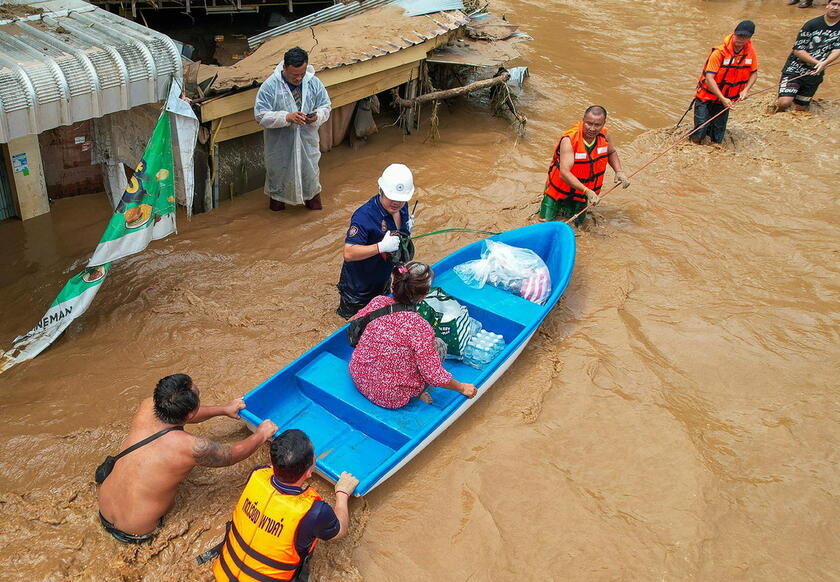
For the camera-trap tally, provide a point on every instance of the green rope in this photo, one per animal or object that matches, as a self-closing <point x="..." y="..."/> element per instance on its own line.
<point x="453" y="230"/>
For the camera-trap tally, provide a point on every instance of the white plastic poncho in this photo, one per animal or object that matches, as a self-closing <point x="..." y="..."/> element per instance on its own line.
<point x="292" y="151"/>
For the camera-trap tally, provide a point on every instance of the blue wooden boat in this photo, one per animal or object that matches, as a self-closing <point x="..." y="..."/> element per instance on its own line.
<point x="316" y="394"/>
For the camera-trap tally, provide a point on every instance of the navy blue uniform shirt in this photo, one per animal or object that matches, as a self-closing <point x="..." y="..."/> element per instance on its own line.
<point x="363" y="280"/>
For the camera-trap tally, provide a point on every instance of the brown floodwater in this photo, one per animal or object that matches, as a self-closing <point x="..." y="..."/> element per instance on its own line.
<point x="675" y="418"/>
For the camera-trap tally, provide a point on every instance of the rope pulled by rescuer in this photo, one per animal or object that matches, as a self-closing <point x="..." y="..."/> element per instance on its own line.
<point x="729" y="73"/>
<point x="577" y="168"/>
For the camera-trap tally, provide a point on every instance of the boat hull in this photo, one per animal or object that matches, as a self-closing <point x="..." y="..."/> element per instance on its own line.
<point x="455" y="416"/>
<point x="315" y="394"/>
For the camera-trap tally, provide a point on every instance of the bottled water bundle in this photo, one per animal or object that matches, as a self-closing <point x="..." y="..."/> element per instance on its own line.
<point x="482" y="348"/>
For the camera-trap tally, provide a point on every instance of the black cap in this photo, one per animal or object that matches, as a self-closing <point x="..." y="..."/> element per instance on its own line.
<point x="745" y="28"/>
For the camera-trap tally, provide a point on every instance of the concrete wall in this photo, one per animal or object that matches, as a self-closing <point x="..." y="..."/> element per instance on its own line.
<point x="241" y="166"/>
<point x="27" y="179"/>
<point x="121" y="138"/>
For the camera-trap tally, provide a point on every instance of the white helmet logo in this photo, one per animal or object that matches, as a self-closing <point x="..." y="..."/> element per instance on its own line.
<point x="397" y="183"/>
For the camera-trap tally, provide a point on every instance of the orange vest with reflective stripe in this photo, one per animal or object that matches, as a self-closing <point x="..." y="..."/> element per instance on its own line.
<point x="733" y="74"/>
<point x="589" y="166"/>
<point x="260" y="545"/>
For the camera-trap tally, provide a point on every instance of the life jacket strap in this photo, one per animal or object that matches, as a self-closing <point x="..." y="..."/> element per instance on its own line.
<point x="252" y="553"/>
<point x="215" y="551"/>
<point x="270" y="562"/>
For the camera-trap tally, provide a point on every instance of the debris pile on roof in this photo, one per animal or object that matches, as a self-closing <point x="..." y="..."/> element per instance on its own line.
<point x="488" y="26"/>
<point x="373" y="33"/>
<point x="490" y="42"/>
<point x="12" y="11"/>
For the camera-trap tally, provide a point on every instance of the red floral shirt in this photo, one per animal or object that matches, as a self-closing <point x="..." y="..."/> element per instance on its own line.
<point x="396" y="358"/>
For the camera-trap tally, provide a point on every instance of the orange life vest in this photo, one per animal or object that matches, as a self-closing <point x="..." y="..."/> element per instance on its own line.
<point x="589" y="165"/>
<point x="260" y="544"/>
<point x="734" y="71"/>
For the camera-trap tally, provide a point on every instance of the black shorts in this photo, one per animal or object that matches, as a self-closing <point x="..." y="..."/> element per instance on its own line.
<point x="128" y="538"/>
<point x="801" y="89"/>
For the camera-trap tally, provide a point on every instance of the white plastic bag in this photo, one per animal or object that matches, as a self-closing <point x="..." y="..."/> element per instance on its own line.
<point x="474" y="273"/>
<point x="514" y="269"/>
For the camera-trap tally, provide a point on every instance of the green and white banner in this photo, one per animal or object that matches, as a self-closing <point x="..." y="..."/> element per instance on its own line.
<point x="72" y="301"/>
<point x="146" y="212"/>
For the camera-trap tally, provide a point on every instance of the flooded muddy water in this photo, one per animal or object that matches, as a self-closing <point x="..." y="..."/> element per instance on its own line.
<point x="675" y="418"/>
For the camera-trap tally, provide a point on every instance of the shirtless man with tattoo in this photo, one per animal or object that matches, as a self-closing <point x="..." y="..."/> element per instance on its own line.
<point x="142" y="486"/>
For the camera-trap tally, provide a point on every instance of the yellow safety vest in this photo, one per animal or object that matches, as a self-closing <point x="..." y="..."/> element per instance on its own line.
<point x="260" y="545"/>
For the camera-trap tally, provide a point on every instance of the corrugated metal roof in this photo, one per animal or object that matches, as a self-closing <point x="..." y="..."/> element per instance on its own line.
<point x="343" y="10"/>
<point x="74" y="61"/>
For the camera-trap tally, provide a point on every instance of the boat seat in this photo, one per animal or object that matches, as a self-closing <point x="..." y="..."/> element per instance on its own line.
<point x="326" y="381"/>
<point x="497" y="301"/>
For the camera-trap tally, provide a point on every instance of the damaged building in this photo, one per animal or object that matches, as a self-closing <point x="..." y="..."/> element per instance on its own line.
<point x="359" y="51"/>
<point x="81" y="86"/>
<point x="70" y="71"/>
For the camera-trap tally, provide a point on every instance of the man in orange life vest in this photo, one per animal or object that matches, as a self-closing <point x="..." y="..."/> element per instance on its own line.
<point x="577" y="168"/>
<point x="728" y="75"/>
<point x="277" y="520"/>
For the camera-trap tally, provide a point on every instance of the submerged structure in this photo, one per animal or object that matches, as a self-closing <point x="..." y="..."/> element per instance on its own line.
<point x="81" y="86"/>
<point x="358" y="50"/>
<point x="69" y="71"/>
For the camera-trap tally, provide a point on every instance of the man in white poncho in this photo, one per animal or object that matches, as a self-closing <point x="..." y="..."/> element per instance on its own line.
<point x="291" y="105"/>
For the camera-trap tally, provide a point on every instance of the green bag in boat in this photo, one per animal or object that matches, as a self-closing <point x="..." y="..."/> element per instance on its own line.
<point x="449" y="319"/>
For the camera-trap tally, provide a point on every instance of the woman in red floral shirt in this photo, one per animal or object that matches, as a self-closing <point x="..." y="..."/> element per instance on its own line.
<point x="397" y="356"/>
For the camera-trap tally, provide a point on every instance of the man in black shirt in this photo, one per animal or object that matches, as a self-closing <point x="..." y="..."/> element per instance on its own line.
<point x="817" y="46"/>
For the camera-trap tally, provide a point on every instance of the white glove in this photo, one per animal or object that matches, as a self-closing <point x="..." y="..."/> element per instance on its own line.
<point x="593" y="198"/>
<point x="389" y="243"/>
<point x="409" y="224"/>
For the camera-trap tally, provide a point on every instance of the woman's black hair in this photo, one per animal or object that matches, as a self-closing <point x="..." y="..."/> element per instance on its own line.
<point x="411" y="282"/>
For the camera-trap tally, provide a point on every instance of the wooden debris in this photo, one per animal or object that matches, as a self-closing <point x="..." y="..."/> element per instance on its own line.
<point x="454" y="92"/>
<point x="501" y="99"/>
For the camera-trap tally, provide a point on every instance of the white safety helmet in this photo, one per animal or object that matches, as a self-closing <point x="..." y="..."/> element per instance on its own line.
<point x="397" y="183"/>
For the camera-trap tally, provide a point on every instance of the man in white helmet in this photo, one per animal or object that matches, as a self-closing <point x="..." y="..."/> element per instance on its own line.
<point x="373" y="233"/>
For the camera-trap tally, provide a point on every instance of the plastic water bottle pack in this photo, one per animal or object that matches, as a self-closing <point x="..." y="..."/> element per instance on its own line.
<point x="482" y="348"/>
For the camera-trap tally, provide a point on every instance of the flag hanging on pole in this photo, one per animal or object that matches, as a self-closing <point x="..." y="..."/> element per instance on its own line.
<point x="146" y="212"/>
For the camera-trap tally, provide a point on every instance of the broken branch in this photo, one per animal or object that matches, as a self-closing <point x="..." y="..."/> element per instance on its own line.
<point x="455" y="92"/>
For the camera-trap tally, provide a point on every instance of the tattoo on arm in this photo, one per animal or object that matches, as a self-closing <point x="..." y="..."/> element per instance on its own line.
<point x="209" y="454"/>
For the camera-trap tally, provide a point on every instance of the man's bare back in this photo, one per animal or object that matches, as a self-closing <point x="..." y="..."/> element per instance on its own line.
<point x="142" y="486"/>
